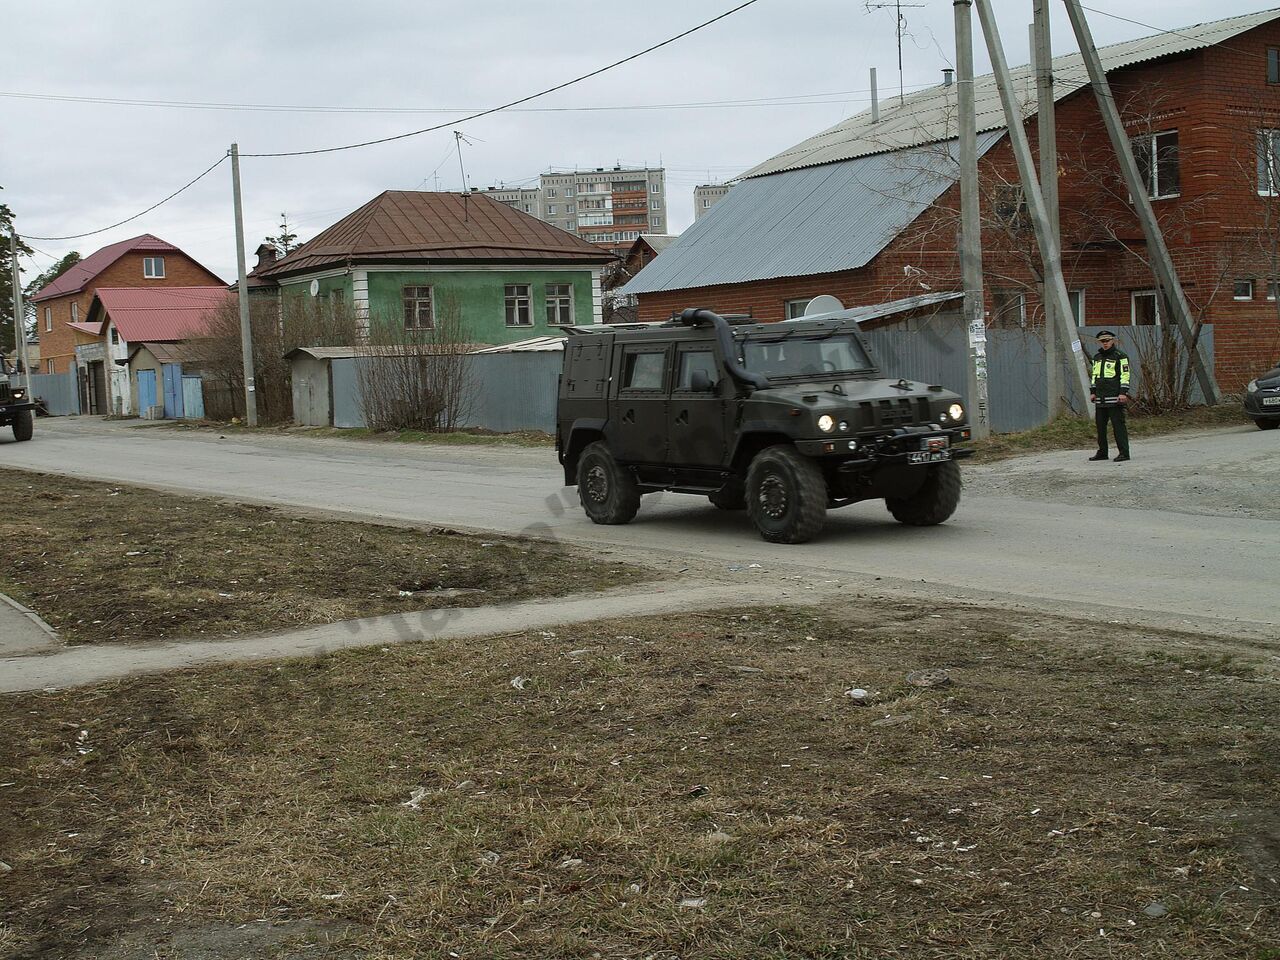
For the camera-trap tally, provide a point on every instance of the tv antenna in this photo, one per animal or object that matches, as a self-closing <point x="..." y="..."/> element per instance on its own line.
<point x="897" y="6"/>
<point x="459" y="140"/>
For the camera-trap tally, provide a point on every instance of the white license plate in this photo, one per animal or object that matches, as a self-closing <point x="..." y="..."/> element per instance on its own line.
<point x="925" y="456"/>
<point x="1271" y="401"/>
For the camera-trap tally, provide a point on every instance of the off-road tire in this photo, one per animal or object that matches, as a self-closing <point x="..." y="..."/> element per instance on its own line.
<point x="786" y="495"/>
<point x="732" y="496"/>
<point x="24" y="425"/>
<point x="934" y="502"/>
<point x="1262" y="424"/>
<point x="607" y="490"/>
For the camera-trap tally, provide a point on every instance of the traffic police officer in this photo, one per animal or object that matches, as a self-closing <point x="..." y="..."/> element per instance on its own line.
<point x="1109" y="391"/>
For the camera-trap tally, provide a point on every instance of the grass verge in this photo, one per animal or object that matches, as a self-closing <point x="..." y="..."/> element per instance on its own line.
<point x="111" y="562"/>
<point x="688" y="786"/>
<point x="1077" y="433"/>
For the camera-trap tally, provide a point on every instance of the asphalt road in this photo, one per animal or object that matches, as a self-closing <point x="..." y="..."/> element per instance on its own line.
<point x="1050" y="532"/>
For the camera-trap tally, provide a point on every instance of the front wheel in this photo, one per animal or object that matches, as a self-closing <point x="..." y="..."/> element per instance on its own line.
<point x="786" y="496"/>
<point x="934" y="502"/>
<point x="24" y="425"/>
<point x="1262" y="424"/>
<point x="607" y="490"/>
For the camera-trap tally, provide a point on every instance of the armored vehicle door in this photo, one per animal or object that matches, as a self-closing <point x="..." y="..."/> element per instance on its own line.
<point x="637" y="428"/>
<point x="696" y="423"/>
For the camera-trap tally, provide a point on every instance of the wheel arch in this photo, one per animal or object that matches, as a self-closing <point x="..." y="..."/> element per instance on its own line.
<point x="581" y="435"/>
<point x="750" y="444"/>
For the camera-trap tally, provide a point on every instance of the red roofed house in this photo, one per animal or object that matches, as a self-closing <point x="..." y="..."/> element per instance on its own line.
<point x="148" y="327"/>
<point x="146" y="261"/>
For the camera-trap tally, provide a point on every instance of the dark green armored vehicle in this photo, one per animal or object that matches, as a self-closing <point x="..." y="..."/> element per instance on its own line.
<point x="17" y="410"/>
<point x="785" y="420"/>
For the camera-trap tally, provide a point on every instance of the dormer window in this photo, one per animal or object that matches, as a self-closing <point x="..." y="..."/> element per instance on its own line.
<point x="153" y="268"/>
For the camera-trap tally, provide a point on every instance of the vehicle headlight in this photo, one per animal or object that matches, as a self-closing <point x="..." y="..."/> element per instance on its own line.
<point x="955" y="412"/>
<point x="826" y="424"/>
<point x="1252" y="387"/>
<point x="19" y="394"/>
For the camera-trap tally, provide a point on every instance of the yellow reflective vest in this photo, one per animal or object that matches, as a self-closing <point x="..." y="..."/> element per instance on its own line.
<point x="1110" y="374"/>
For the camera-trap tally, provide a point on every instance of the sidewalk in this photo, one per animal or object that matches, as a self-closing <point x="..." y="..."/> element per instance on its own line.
<point x="22" y="632"/>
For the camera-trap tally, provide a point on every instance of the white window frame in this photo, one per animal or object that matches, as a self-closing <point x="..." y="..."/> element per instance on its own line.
<point x="153" y="268"/>
<point x="48" y="319"/>
<point x="1153" y="175"/>
<point x="791" y="309"/>
<point x="655" y="221"/>
<point x="1235" y="289"/>
<point x="1268" y="147"/>
<point x="1133" y="306"/>
<point x="48" y="366"/>
<point x="516" y="305"/>
<point x="551" y="193"/>
<point x="416" y="298"/>
<point x="560" y="310"/>
<point x="551" y="209"/>
<point x="655" y="188"/>
<point x="75" y="312"/>
<point x="1271" y="289"/>
<point x="1079" y="294"/>
<point x="1021" y="317"/>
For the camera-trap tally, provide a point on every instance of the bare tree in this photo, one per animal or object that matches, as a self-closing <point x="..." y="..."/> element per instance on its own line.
<point x="415" y="373"/>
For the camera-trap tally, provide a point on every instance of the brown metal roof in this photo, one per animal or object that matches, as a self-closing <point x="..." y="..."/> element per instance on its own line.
<point x="410" y="226"/>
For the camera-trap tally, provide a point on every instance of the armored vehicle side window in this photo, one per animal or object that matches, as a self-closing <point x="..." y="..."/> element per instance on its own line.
<point x="643" y="371"/>
<point x="691" y="360"/>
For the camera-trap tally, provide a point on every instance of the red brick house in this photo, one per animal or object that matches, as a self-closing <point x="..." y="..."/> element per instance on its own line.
<point x="62" y="306"/>
<point x="868" y="212"/>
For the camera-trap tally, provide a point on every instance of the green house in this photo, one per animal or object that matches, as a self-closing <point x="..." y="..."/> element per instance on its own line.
<point x="409" y="257"/>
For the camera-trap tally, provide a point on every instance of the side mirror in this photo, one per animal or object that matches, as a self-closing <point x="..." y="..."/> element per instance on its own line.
<point x="701" y="382"/>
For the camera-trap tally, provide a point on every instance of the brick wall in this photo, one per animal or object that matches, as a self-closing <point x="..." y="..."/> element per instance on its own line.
<point x="59" y="343"/>
<point x="1218" y="228"/>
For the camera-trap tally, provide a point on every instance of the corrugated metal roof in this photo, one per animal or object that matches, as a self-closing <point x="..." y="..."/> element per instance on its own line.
<point x="404" y="226"/>
<point x="394" y="350"/>
<point x="658" y="241"/>
<point x="877" y="311"/>
<point x="158" y="313"/>
<point x="929" y="116"/>
<point x="813" y="220"/>
<point x="93" y="329"/>
<point x="76" y="278"/>
<point x="532" y="345"/>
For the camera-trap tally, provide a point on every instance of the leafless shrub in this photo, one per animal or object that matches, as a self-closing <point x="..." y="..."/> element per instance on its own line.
<point x="417" y="378"/>
<point x="277" y="328"/>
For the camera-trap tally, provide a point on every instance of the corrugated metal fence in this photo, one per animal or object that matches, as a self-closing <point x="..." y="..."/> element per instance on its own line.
<point x="511" y="391"/>
<point x="59" y="392"/>
<point x="517" y="391"/>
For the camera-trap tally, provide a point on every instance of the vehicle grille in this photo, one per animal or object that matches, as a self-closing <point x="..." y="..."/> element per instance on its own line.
<point x="888" y="413"/>
<point x="6" y="392"/>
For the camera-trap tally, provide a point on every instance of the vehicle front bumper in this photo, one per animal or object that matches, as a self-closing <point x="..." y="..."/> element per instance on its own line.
<point x="1254" y="406"/>
<point x="10" y="410"/>
<point x="894" y="448"/>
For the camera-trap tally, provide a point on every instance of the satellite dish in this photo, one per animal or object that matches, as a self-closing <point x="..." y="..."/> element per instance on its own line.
<point x="823" y="304"/>
<point x="315" y="287"/>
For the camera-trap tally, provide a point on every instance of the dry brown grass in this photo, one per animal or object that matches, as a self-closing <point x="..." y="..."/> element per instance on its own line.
<point x="1065" y="780"/>
<point x="112" y="562"/>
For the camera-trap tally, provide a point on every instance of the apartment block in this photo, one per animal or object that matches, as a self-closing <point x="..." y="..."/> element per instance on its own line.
<point x="706" y="196"/>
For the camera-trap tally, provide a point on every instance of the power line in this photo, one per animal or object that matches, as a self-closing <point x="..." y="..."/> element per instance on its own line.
<point x="783" y="100"/>
<point x="1174" y="33"/>
<point x="513" y="103"/>
<point x="120" y="223"/>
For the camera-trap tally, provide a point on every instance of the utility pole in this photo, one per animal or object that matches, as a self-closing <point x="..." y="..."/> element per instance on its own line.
<point x="242" y="288"/>
<point x="1161" y="263"/>
<point x="1050" y="255"/>
<point x="19" y="320"/>
<point x="1046" y="125"/>
<point x="971" y="228"/>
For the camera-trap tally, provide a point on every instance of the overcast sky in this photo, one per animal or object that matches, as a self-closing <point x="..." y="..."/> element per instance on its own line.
<point x="70" y="167"/>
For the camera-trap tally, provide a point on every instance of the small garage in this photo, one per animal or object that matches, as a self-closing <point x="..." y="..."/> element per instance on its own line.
<point x="166" y="381"/>
<point x="311" y="378"/>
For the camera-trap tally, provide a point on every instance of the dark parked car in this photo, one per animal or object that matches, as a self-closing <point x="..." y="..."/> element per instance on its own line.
<point x="1262" y="399"/>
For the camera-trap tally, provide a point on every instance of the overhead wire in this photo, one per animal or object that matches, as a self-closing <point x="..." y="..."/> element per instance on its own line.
<point x="514" y="103"/>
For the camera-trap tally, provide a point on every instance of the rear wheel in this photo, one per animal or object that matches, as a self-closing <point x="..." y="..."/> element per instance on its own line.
<point x="608" y="491"/>
<point x="1262" y="424"/>
<point x="786" y="496"/>
<point x="24" y="425"/>
<point x="934" y="502"/>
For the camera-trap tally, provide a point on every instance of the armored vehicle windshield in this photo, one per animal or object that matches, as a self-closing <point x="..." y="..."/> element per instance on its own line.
<point x="796" y="354"/>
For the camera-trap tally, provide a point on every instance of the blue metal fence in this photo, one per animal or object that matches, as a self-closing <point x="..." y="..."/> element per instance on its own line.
<point x="59" y="391"/>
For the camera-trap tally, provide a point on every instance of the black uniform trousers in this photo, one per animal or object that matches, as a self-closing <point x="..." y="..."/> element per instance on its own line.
<point x="1113" y="412"/>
